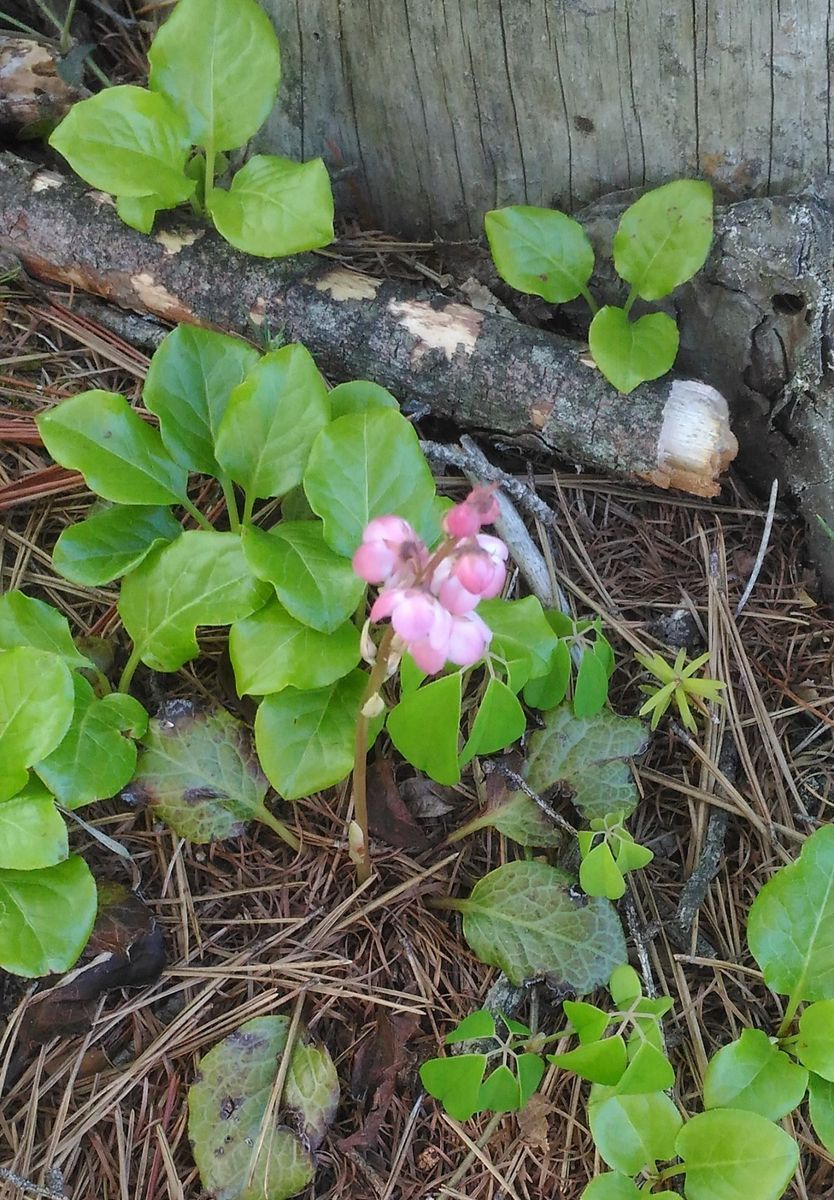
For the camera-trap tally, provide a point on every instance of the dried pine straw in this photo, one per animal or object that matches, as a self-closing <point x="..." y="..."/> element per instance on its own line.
<point x="249" y="930"/>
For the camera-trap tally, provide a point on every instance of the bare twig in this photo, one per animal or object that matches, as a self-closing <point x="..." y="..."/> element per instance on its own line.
<point x="765" y="542"/>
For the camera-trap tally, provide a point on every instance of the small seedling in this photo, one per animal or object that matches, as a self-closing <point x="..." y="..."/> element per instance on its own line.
<point x="678" y="686"/>
<point x="608" y="853"/>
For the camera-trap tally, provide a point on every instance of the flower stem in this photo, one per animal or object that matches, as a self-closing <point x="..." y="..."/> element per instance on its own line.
<point x="360" y="759"/>
<point x="589" y="300"/>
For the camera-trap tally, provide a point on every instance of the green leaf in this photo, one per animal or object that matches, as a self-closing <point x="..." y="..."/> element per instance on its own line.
<point x="613" y="1186"/>
<point x="754" y="1075"/>
<point x="790" y="928"/>
<point x="200" y="579"/>
<point x="589" y="1021"/>
<point x="32" y="833"/>
<point x="315" y="585"/>
<point x="500" y="1092"/>
<point x="664" y="237"/>
<point x="631" y="352"/>
<point x="424" y="728"/>
<point x="110" y="543"/>
<point x="821" y="1108"/>
<point x="519" y="818"/>
<point x="548" y="690"/>
<point x="127" y="141"/>
<point x="540" y="251"/>
<point x="189" y="381"/>
<point x="525" y="918"/>
<point x="630" y="855"/>
<point x="218" y="61"/>
<point x="271" y="421"/>
<point x="591" y="689"/>
<point x="276" y="207"/>
<point x="199" y="773"/>
<point x="25" y="621"/>
<point x="648" y="1070"/>
<point x="599" y="875"/>
<point x="479" y="1024"/>
<point x="600" y="1062"/>
<point x="522" y="637"/>
<point x="499" y="722"/>
<point x="455" y="1082"/>
<point x="633" y="1132"/>
<point x="233" y="1096"/>
<point x="368" y="464"/>
<point x="728" y="1153"/>
<point x="410" y="675"/>
<point x="357" y="396"/>
<point x="45" y="917"/>
<point x="120" y="456"/>
<point x="305" y="740"/>
<point x="590" y="756"/>
<point x="530" y="1069"/>
<point x="94" y="760"/>
<point x="139" y="212"/>
<point x="296" y="507"/>
<point x="624" y="986"/>
<point x="815" y="1046"/>
<point x="36" y="703"/>
<point x="270" y="651"/>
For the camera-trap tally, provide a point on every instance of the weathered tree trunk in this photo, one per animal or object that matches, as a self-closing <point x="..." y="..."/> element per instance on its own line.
<point x="442" y="109"/>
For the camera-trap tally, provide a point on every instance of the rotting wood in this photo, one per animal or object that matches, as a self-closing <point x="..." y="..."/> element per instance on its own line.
<point x="32" y="91"/>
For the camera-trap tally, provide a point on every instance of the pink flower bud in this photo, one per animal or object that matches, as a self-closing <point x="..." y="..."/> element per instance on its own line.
<point x="468" y="640"/>
<point x="474" y="570"/>
<point x="385" y="603"/>
<point x="455" y="597"/>
<point x="373" y="562"/>
<point x="485" y="503"/>
<point x="391" y="529"/>
<point x="462" y="521"/>
<point x="495" y="548"/>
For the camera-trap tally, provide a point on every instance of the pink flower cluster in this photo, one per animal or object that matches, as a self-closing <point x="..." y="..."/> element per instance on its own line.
<point x="431" y="598"/>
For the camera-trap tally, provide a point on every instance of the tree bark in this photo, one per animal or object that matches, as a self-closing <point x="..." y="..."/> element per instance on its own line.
<point x="32" y="93"/>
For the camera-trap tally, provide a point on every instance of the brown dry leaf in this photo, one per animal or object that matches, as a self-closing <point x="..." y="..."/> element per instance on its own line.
<point x="388" y="816"/>
<point x="377" y="1064"/>
<point x="533" y="1122"/>
<point x="426" y="799"/>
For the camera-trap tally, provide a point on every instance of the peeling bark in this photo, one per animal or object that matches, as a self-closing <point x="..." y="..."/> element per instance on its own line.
<point x="32" y="91"/>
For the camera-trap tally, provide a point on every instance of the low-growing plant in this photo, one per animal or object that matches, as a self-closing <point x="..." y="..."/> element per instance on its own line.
<point x="662" y="240"/>
<point x="677" y="684"/>
<point x="215" y="67"/>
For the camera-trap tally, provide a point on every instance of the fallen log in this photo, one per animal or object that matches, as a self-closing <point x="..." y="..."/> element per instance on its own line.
<point x="485" y="372"/>
<point x="33" y="93"/>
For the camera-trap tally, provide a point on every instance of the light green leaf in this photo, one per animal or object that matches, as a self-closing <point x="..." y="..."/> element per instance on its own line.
<point x="357" y="396"/>
<point x="190" y="378"/>
<point x="276" y="207"/>
<point x="455" y="1082"/>
<point x="790" y="929"/>
<point x="540" y="251"/>
<point x="479" y="1024"/>
<point x="499" y="722"/>
<point x="530" y="1069"/>
<point x="548" y="690"/>
<point x="218" y="61"/>
<point x="522" y="637"/>
<point x="315" y="585"/>
<point x="589" y="1021"/>
<point x="591" y="689"/>
<point x="424" y="728"/>
<point x="32" y="833"/>
<point x="500" y="1091"/>
<point x="599" y="875"/>
<point x="305" y="740"/>
<point x="525" y="918"/>
<point x="754" y="1075"/>
<point x="139" y="212"/>
<point x="728" y="1154"/>
<point x="127" y="141"/>
<point x="270" y="651"/>
<point x="633" y="1132"/>
<point x="36" y="703"/>
<point x="631" y="352"/>
<point x="664" y="237"/>
<point x="200" y="579"/>
<point x="110" y="543"/>
<point x="613" y="1186"/>
<point x="368" y="464"/>
<point x="648" y="1070"/>
<point x="630" y="855"/>
<point x="821" y="1108"/>
<point x="120" y="456"/>
<point x="815" y="1046"/>
<point x="624" y="986"/>
<point x="271" y="421"/>
<point x="45" y="917"/>
<point x="25" y="621"/>
<point x="600" y="1062"/>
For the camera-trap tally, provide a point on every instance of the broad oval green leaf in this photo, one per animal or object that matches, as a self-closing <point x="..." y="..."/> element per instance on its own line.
<point x="45" y="917"/>
<point x="815" y="1046"/>
<point x="632" y="1133"/>
<point x="527" y="919"/>
<point x="315" y="585"/>
<point x="139" y="211"/>
<point x="631" y="352"/>
<point x="540" y="251"/>
<point x="200" y="579"/>
<point x="110" y="543"/>
<point x="754" y="1075"/>
<point x="499" y="722"/>
<point x="613" y="1186"/>
<point x="120" y="456"/>
<point x="32" y="832"/>
<point x="368" y="464"/>
<point x="522" y="637"/>
<point x="25" y="621"/>
<point x="218" y="61"/>
<point x="270" y="651"/>
<point x="358" y="395"/>
<point x="821" y="1108"/>
<point x="276" y="207"/>
<point x="190" y="379"/>
<point x="424" y="728"/>
<point x="271" y="421"/>
<point x="790" y="928"/>
<point x="127" y="141"/>
<point x="728" y="1153"/>
<point x="36" y="704"/>
<point x="664" y="237"/>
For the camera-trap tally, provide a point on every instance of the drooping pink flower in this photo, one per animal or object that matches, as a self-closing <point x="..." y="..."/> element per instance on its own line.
<point x="468" y="639"/>
<point x="390" y="547"/>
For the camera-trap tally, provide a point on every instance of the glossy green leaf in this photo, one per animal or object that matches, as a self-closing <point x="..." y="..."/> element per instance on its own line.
<point x="591" y="690"/>
<point x="625" y="986"/>
<point x="139" y="212"/>
<point x="218" y="61"/>
<point x="315" y="585"/>
<point x="357" y="396"/>
<point x="790" y="928"/>
<point x="821" y="1108"/>
<point x="276" y="207"/>
<point x="589" y="1022"/>
<point x="500" y="1091"/>
<point x="729" y="1153"/>
<point x="32" y="833"/>
<point x="613" y="1186"/>
<point x="110" y="543"/>
<point x="633" y="1132"/>
<point x="525" y="918"/>
<point x="368" y="464"/>
<point x="648" y="1070"/>
<point x="455" y="1082"/>
<point x="424" y="728"/>
<point x="200" y="579"/>
<point x="305" y="740"/>
<point x="45" y="917"/>
<point x="120" y="456"/>
<point x="599" y="875"/>
<point x="815" y="1045"/>
<point x="479" y="1024"/>
<point x="530" y="1069"/>
<point x="190" y="379"/>
<point x="550" y="689"/>
<point x="499" y="722"/>
<point x="271" y="421"/>
<point x="522" y="637"/>
<point x="630" y="855"/>
<point x="25" y="621"/>
<point x="600" y="1062"/>
<point x="540" y="251"/>
<point x="631" y="352"/>
<point x="664" y="237"/>
<point x="270" y="651"/>
<point x="36" y="704"/>
<point x="754" y="1075"/>
<point x="127" y="141"/>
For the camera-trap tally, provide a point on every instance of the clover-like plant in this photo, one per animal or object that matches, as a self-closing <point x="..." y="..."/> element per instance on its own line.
<point x="215" y="67"/>
<point x="662" y="240"/>
<point x="678" y="685"/>
<point x="608" y="853"/>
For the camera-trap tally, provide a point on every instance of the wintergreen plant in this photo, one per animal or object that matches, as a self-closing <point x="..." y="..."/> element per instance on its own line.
<point x="215" y="67"/>
<point x="678" y="685"/>
<point x="662" y="240"/>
